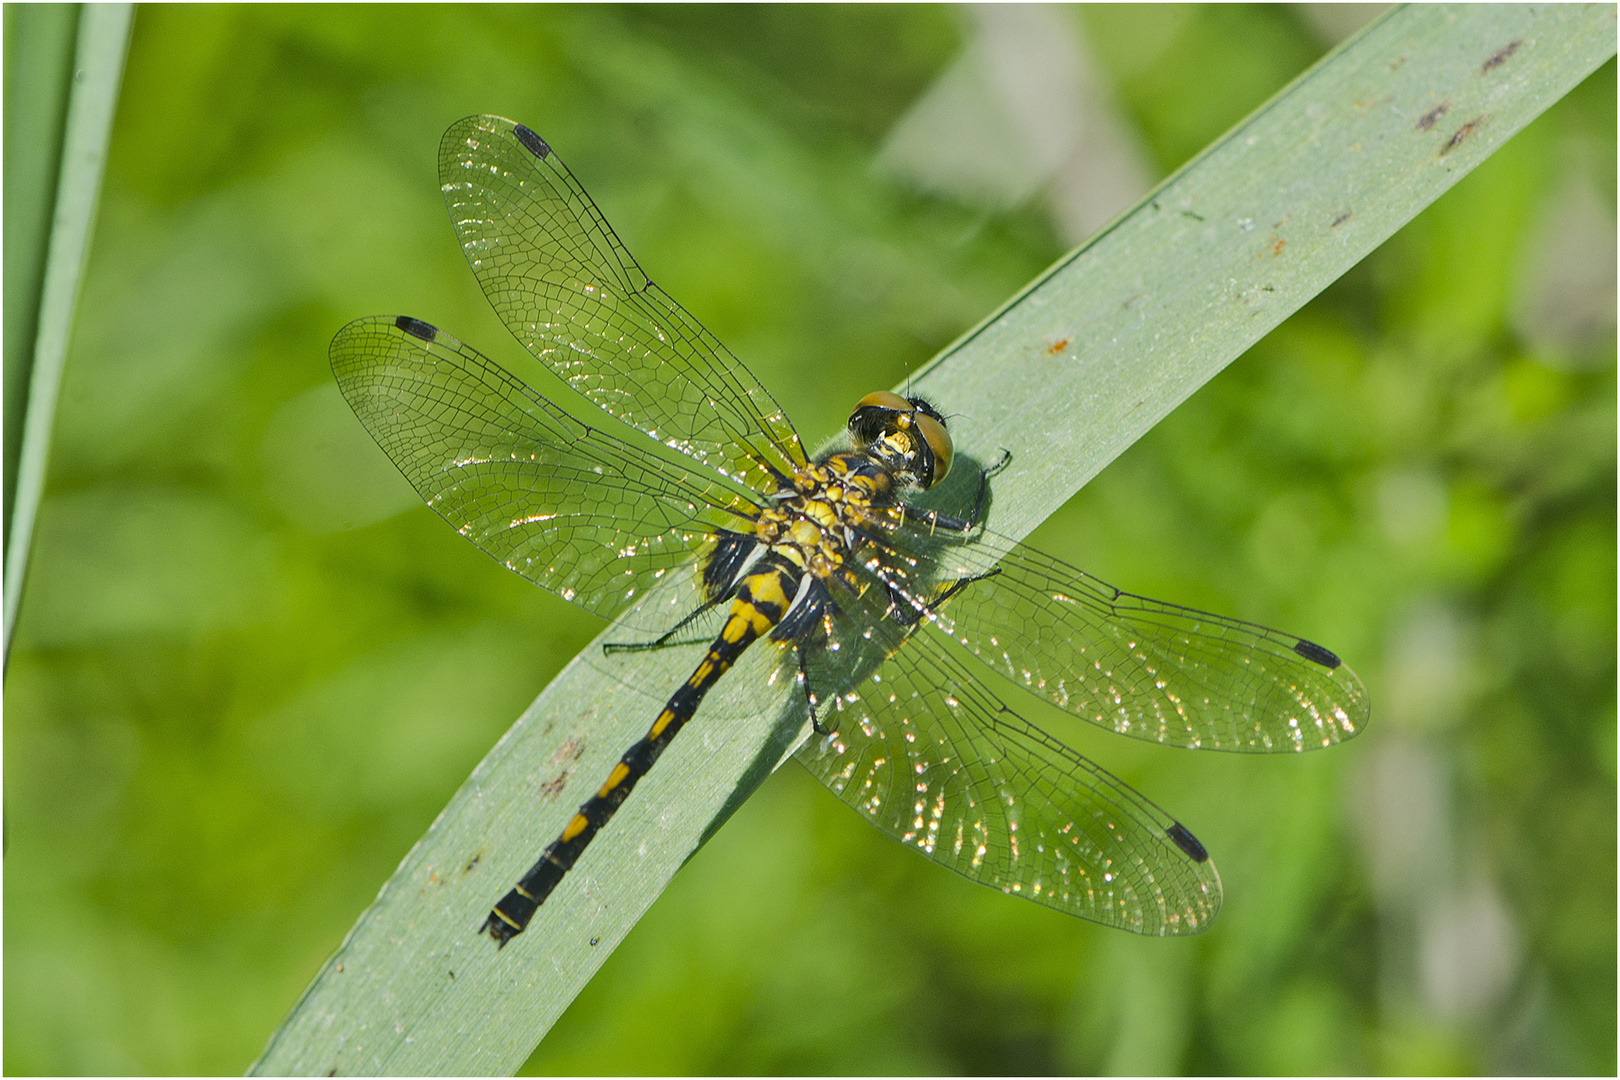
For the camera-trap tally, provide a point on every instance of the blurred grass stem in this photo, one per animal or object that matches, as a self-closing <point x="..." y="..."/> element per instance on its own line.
<point x="98" y="65"/>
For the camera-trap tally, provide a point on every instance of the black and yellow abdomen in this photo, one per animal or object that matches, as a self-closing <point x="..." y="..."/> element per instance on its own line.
<point x="763" y="598"/>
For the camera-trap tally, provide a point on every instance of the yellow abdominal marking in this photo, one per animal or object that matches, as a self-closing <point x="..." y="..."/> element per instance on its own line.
<point x="766" y="588"/>
<point x="576" y="825"/>
<point x="745" y="619"/>
<point x="620" y="771"/>
<point x="661" y="723"/>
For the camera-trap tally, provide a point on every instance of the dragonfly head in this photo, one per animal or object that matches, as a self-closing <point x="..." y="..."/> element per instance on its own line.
<point x="906" y="434"/>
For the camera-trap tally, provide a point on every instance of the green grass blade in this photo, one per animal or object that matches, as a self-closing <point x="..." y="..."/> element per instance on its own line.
<point x="39" y="39"/>
<point x="1066" y="375"/>
<point x="98" y="67"/>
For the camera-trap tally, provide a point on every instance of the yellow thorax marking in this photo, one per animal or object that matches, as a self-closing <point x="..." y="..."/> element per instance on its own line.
<point x="823" y="513"/>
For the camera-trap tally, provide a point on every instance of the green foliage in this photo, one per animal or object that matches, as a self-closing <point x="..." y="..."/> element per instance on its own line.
<point x="249" y="671"/>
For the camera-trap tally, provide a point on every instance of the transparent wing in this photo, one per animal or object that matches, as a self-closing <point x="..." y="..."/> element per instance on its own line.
<point x="569" y="291"/>
<point x="1139" y="667"/>
<point x="930" y="756"/>
<point x="565" y="505"/>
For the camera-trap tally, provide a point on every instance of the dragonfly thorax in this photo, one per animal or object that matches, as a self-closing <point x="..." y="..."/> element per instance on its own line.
<point x="822" y="512"/>
<point x="818" y="518"/>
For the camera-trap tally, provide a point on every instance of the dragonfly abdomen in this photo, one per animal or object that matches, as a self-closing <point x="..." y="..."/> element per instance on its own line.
<point x="760" y="604"/>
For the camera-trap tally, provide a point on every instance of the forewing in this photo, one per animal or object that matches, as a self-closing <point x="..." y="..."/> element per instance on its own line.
<point x="930" y="756"/>
<point x="594" y="519"/>
<point x="566" y="287"/>
<point x="1140" y="667"/>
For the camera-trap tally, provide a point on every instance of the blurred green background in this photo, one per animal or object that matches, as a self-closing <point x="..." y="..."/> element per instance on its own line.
<point x="250" y="668"/>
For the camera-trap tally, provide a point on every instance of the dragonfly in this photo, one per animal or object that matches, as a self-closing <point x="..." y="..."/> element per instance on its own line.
<point x="908" y="635"/>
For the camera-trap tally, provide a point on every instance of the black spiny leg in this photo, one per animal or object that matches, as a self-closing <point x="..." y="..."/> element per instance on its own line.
<point x="937" y="522"/>
<point x="903" y="609"/>
<point x="809" y="698"/>
<point x="908" y="612"/>
<point x="722" y="571"/>
<point x="984" y="487"/>
<point x="666" y="640"/>
<point x="961" y="583"/>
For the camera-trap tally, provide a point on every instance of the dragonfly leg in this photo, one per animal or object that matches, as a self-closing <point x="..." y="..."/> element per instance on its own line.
<point x="666" y="640"/>
<point x="984" y="486"/>
<point x="934" y="521"/>
<point x="809" y="698"/>
<point x="961" y="583"/>
<point x="908" y="612"/>
<point x="733" y="555"/>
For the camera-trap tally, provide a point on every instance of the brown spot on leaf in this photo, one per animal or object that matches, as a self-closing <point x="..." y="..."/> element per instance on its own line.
<point x="1430" y="118"/>
<point x="1057" y="346"/>
<point x="572" y="749"/>
<point x="1500" y="57"/>
<point x="554" y="787"/>
<point x="1460" y="135"/>
<point x="1340" y="220"/>
<point x="472" y="863"/>
<point x="1277" y="244"/>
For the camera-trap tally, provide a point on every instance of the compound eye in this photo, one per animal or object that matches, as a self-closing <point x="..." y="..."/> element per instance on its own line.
<point x="883" y="399"/>
<point x="934" y="434"/>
